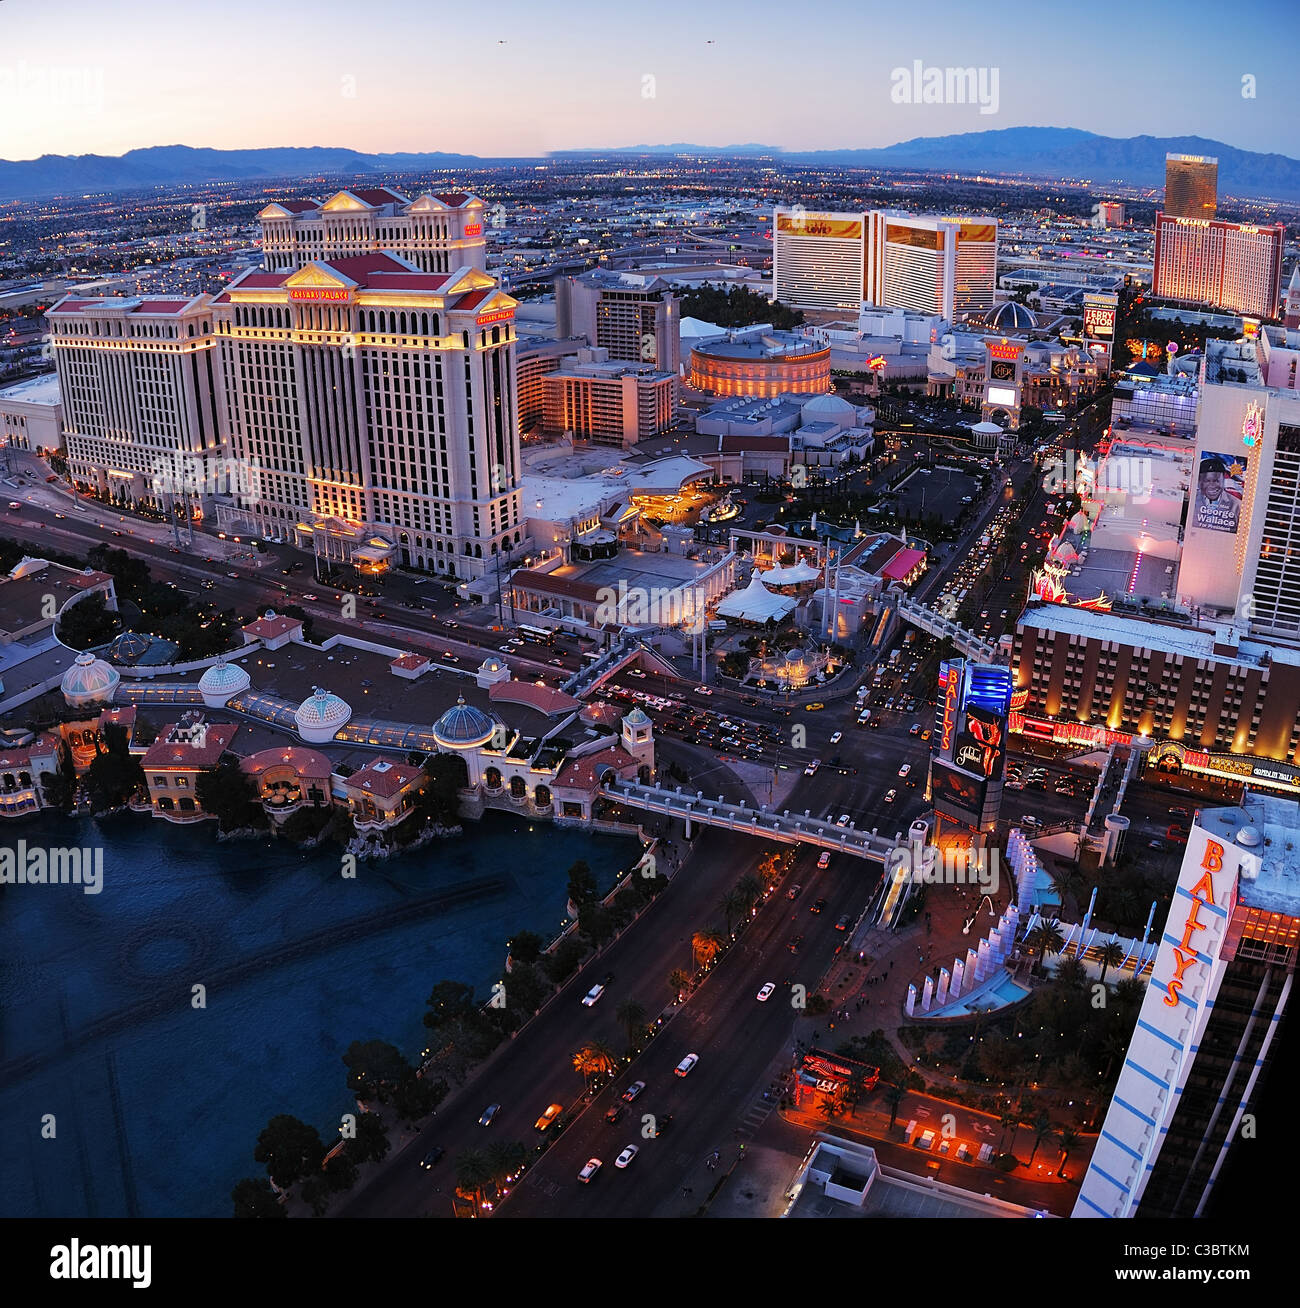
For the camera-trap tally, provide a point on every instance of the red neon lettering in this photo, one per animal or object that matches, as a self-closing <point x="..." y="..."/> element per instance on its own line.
<point x="1171" y="996"/>
<point x="1193" y="923"/>
<point x="1213" y="860"/>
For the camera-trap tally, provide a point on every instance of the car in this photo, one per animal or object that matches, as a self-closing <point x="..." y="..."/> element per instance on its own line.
<point x="13" y="504"/>
<point x="824" y="859"/>
<point x="817" y="905"/>
<point x="815" y="707"/>
<point x="766" y="993"/>
<point x="836" y="737"/>
<point x="905" y="769"/>
<point x="795" y="942"/>
<point x="1176" y="832"/>
<point x="890" y="795"/>
<point x="844" y="820"/>
<point x="549" y="1116"/>
<point x="842" y="923"/>
<point x="310" y="596"/>
<point x="488" y="1114"/>
<point x="1156" y="844"/>
<point x="1179" y="811"/>
<point x="874" y="724"/>
<point x="915" y="729"/>
<point x="925" y="735"/>
<point x="636" y="672"/>
<point x="590" y="1168"/>
<point x="633" y="1090"/>
<point x="504" y="649"/>
<point x="626" y="1156"/>
<point x="431" y="1157"/>
<point x="684" y="1067"/>
<point x="616" y="1114"/>
<point x="811" y="769"/>
<point x="592" y="996"/>
<point x="793" y="892"/>
<point x="703" y="690"/>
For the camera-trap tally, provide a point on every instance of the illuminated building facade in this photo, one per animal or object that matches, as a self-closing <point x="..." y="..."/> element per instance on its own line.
<point x="139" y="387"/>
<point x="1191" y="185"/>
<point x="437" y="233"/>
<point x="376" y="403"/>
<point x="1210" y="1021"/>
<point x="637" y="318"/>
<point x="819" y="259"/>
<point x="1232" y="266"/>
<point x="608" y="403"/>
<point x="762" y="365"/>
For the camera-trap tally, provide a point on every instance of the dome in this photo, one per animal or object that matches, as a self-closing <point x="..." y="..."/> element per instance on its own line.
<point x="827" y="406"/>
<point x="463" y="726"/>
<point x="89" y="681"/>
<point x="636" y="719"/>
<point x="128" y="647"/>
<point x="1008" y="317"/>
<point x="491" y="664"/>
<point x="320" y="716"/>
<point x="221" y="682"/>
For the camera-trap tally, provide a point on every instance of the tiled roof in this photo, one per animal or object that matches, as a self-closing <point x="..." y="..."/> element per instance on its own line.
<point x="305" y="762"/>
<point x="585" y="773"/>
<point x="270" y="628"/>
<point x="164" y="755"/>
<point x="382" y="778"/>
<point x="545" y="699"/>
<point x="549" y="585"/>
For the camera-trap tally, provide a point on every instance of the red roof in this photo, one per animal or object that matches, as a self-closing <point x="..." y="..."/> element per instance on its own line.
<point x="901" y="564"/>
<point x="270" y="628"/>
<point x="473" y="299"/>
<point x="382" y="778"/>
<point x="545" y="699"/>
<point x="71" y="306"/>
<point x="160" y="306"/>
<point x="548" y="585"/>
<point x="407" y="281"/>
<point x="454" y="198"/>
<point x="380" y="195"/>
<point x="298" y="206"/>
<point x="305" y="762"/>
<point x="202" y="753"/>
<point x="585" y="773"/>
<point x="410" y="662"/>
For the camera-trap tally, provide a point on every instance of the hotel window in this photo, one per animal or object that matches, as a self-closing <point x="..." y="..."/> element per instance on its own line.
<point x="160" y="782"/>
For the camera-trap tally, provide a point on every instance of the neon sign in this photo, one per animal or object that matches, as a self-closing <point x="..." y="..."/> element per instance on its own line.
<point x="950" y="680"/>
<point x="1202" y="893"/>
<point x="473" y="229"/>
<point x="1250" y="424"/>
<point x="501" y="315"/>
<point x="318" y="293"/>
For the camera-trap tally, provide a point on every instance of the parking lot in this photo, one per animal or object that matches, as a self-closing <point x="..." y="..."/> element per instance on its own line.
<point x="939" y="491"/>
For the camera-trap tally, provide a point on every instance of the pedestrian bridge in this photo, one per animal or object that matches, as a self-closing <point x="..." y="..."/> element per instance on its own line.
<point x="789" y="828"/>
<point x="931" y="620"/>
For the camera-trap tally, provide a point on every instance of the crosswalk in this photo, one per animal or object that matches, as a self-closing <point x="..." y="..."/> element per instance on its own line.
<point x="759" y="1111"/>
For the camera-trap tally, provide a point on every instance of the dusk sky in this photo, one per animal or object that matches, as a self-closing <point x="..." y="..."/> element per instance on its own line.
<point x="85" y="76"/>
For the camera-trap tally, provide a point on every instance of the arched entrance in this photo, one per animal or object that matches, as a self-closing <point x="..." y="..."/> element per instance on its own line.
<point x="518" y="788"/>
<point x="492" y="778"/>
<point x="542" y="797"/>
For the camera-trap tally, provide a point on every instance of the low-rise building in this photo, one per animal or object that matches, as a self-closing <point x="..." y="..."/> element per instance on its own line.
<point x="173" y="764"/>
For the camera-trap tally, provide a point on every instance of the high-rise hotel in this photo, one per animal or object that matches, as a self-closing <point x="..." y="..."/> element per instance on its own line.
<point x="368" y="396"/>
<point x="1191" y="185"/>
<point x="1231" y="266"/>
<point x="1209" y="1024"/>
<point x="939" y="265"/>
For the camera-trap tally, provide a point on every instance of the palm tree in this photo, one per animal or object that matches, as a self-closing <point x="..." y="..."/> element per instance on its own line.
<point x="1069" y="1139"/>
<point x="632" y="1015"/>
<point x="1045" y="939"/>
<point x="1071" y="972"/>
<point x="679" y="982"/>
<point x="706" y="946"/>
<point x="473" y="1172"/>
<point x="1109" y="955"/>
<point x="750" y="888"/>
<point x="1043" y="1126"/>
<point x="1066" y="881"/>
<point x="733" y="906"/>
<point x="1114" y="1046"/>
<point x="504" y="1159"/>
<point x="595" y="1059"/>
<point x="894" y="1095"/>
<point x="1129" y="994"/>
<point x="1008" y="1122"/>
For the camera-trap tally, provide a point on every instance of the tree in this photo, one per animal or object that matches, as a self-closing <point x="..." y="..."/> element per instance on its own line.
<point x="374" y="1069"/>
<point x="253" y="1197"/>
<point x="525" y="947"/>
<point x="679" y="982"/>
<point x="895" y="1092"/>
<point x="230" y="795"/>
<point x="595" y="1059"/>
<point x="449" y="1002"/>
<point x="707" y="945"/>
<point x="414" y="1096"/>
<point x="370" y="1144"/>
<point x="734" y="906"/>
<point x="1071" y="973"/>
<point x="595" y="923"/>
<point x="1109" y="955"/>
<point x="582" y="884"/>
<point x="290" y="1149"/>
<point x="632" y="1016"/>
<point x="1045" y="939"/>
<point x="1008" y="1122"/>
<point x="438" y="799"/>
<point x="1042" y="1126"/>
<point x="473" y="1172"/>
<point x="750" y="889"/>
<point x="113" y="775"/>
<point x="504" y="1159"/>
<point x="1069" y="1140"/>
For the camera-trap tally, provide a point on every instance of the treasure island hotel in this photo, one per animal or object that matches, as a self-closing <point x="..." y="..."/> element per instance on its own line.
<point x="362" y="381"/>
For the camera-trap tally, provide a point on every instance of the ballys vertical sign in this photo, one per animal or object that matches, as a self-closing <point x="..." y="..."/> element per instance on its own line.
<point x="1202" y="894"/>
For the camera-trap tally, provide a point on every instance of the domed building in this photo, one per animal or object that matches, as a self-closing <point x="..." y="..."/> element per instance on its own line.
<point x="832" y="408"/>
<point x="464" y="727"/>
<point x="321" y="716"/>
<point x="491" y="672"/>
<point x="1006" y="319"/>
<point x="222" y="682"/>
<point x="128" y="648"/>
<point x="89" y="681"/>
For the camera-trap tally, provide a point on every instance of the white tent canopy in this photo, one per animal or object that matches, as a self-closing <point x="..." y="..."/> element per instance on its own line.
<point x="791" y="574"/>
<point x="755" y="603"/>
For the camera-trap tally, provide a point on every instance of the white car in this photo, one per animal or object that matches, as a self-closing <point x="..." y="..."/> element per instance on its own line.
<point x="626" y="1156"/>
<point x="592" y="996"/>
<point x="890" y="796"/>
<point x="824" y="860"/>
<point x="812" y="767"/>
<point x="684" y="1067"/>
<point x="843" y="820"/>
<point x="837" y="737"/>
<point x="904" y="770"/>
<point x="767" y="992"/>
<point x="703" y="690"/>
<point x="593" y="1165"/>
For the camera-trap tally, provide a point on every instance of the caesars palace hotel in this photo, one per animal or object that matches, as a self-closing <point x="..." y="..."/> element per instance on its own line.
<point x="362" y="384"/>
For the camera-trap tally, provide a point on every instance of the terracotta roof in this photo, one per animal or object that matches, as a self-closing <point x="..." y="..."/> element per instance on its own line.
<point x="472" y="299"/>
<point x="545" y="699"/>
<point x="270" y="628"/>
<point x="585" y="773"/>
<point x="69" y="306"/>
<point x="17" y="758"/>
<point x="163" y="755"/>
<point x="410" y="661"/>
<point x="298" y="206"/>
<point x="380" y="195"/>
<point x="549" y="585"/>
<point x="85" y="580"/>
<point x="160" y="306"/>
<point x="454" y="198"/>
<point x="305" y="762"/>
<point x="382" y="778"/>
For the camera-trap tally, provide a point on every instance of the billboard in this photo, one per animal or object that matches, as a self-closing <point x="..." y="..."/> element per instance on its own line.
<point x="956" y="794"/>
<point x="921" y="238"/>
<point x="1002" y="395"/>
<point x="980" y="748"/>
<point x="1220" y="488"/>
<point x="1099" y="317"/>
<point x="981" y="232"/>
<point x="820" y="224"/>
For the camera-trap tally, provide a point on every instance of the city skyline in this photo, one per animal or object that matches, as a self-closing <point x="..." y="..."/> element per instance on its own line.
<point x="99" y="96"/>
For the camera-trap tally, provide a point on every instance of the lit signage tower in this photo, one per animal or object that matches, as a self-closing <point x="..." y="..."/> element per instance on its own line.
<point x="969" y="753"/>
<point x="1099" y="314"/>
<point x="1003" y="378"/>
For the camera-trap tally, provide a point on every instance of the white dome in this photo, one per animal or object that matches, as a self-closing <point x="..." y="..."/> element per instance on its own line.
<point x="320" y="716"/>
<point x="827" y="406"/>
<point x="89" y="681"/>
<point x="222" y="682"/>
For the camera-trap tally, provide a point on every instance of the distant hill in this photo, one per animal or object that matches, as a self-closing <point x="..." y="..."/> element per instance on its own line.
<point x="179" y="165"/>
<point x="1040" y="152"/>
<point x="1024" y="151"/>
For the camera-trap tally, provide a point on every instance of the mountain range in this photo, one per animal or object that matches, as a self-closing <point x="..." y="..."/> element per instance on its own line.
<point x="1037" y="152"/>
